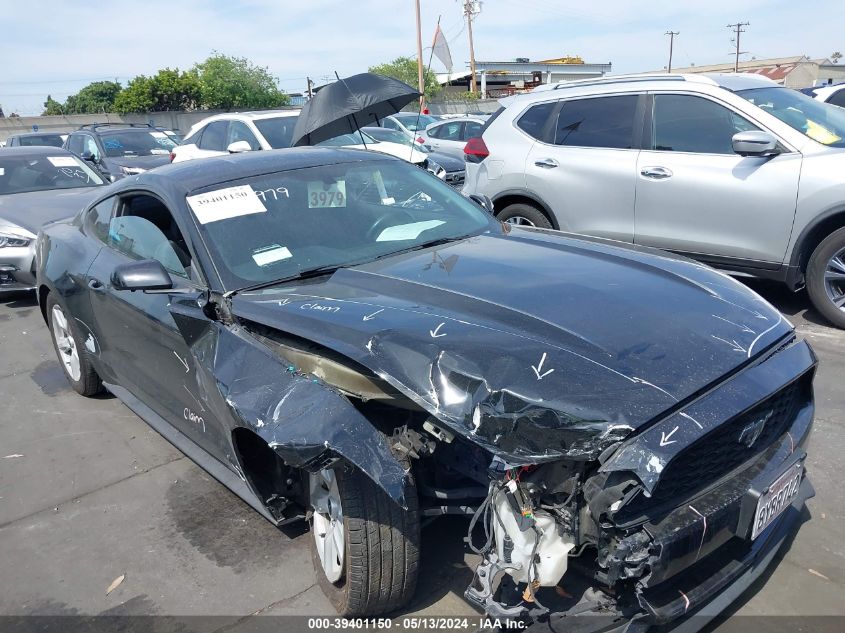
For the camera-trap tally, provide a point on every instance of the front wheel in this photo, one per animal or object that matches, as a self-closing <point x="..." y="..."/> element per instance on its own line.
<point x="826" y="278"/>
<point x="523" y="214"/>
<point x="365" y="547"/>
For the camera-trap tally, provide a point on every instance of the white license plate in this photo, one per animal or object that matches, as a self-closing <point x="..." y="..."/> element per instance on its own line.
<point x="777" y="498"/>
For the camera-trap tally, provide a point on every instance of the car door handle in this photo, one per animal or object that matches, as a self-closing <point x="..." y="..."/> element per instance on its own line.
<point x="546" y="163"/>
<point x="96" y="285"/>
<point x="657" y="173"/>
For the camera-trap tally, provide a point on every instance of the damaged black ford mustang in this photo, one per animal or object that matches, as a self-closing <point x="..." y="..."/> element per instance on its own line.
<point x="338" y="336"/>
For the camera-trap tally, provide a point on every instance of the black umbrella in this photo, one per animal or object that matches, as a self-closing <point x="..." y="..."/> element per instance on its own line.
<point x="348" y="104"/>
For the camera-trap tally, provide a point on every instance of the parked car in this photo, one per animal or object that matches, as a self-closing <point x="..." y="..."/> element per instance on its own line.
<point x="118" y="150"/>
<point x="454" y="167"/>
<point x="51" y="139"/>
<point x="235" y="132"/>
<point x="833" y="94"/>
<point x="451" y="136"/>
<point x="409" y="123"/>
<point x="335" y="334"/>
<point x="732" y="170"/>
<point x="38" y="184"/>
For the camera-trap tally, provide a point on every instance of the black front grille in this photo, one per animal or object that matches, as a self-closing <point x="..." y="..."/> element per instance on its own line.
<point x="721" y="451"/>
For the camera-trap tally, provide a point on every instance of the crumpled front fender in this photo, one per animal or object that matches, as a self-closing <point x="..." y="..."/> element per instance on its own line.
<point x="306" y="422"/>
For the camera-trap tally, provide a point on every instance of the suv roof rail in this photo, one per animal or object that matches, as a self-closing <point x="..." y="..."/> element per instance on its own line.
<point x="94" y="126"/>
<point x="617" y="80"/>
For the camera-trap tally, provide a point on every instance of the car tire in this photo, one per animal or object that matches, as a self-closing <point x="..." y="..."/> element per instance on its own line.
<point x="73" y="357"/>
<point x="826" y="293"/>
<point x="523" y="214"/>
<point x="379" y="566"/>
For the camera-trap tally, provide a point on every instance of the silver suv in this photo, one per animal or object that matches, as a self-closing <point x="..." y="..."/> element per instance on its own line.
<point x="732" y="170"/>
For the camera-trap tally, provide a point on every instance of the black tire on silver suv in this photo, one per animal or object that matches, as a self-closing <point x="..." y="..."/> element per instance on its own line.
<point x="365" y="547"/>
<point x="523" y="214"/>
<point x="826" y="278"/>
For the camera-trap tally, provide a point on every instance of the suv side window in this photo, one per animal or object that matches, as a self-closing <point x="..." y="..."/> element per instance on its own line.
<point x="597" y="122"/>
<point x="214" y="136"/>
<point x="686" y="123"/>
<point x="194" y="138"/>
<point x="90" y="145"/>
<point x="145" y="229"/>
<point x="239" y="131"/>
<point x="534" y="121"/>
<point x="75" y="144"/>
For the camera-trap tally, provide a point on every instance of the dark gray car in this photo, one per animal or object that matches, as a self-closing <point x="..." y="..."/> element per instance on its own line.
<point x="38" y="185"/>
<point x="117" y="150"/>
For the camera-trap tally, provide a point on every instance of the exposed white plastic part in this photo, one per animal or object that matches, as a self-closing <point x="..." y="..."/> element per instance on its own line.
<point x="552" y="551"/>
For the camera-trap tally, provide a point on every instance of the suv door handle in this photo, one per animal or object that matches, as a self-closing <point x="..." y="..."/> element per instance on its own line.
<point x="96" y="285"/>
<point x="546" y="163"/>
<point x="657" y="173"/>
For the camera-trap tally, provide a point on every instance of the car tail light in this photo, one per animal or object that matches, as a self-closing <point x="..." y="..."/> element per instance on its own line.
<point x="420" y="140"/>
<point x="476" y="150"/>
<point x="172" y="156"/>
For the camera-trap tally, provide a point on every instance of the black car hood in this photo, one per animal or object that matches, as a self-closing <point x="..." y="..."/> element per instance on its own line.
<point x="535" y="345"/>
<point x="34" y="209"/>
<point x="449" y="163"/>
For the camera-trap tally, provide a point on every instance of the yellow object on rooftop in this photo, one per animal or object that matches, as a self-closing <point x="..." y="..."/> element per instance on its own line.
<point x="561" y="60"/>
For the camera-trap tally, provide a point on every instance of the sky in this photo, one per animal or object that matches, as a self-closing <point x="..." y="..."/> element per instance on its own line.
<point x="58" y="46"/>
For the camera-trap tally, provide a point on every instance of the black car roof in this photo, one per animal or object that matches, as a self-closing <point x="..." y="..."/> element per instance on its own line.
<point x="27" y="134"/>
<point x="200" y="173"/>
<point x="33" y="150"/>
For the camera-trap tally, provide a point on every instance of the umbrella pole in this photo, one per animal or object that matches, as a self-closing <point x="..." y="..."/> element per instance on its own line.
<point x="357" y="127"/>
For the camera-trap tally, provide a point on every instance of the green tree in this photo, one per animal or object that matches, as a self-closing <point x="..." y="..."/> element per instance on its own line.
<point x="52" y="107"/>
<point x="227" y="83"/>
<point x="95" y="98"/>
<point x="405" y="69"/>
<point x="167" y="90"/>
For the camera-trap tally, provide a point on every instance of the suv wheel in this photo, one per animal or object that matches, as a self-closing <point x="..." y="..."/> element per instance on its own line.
<point x="523" y="214"/>
<point x="365" y="547"/>
<point x="826" y="278"/>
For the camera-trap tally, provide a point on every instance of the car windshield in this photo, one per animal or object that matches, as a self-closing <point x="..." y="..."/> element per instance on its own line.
<point x="277" y="131"/>
<point x="416" y="122"/>
<point x="277" y="226"/>
<point x="136" y="143"/>
<point x="348" y="139"/>
<point x="820" y="121"/>
<point x="54" y="140"/>
<point x="23" y="173"/>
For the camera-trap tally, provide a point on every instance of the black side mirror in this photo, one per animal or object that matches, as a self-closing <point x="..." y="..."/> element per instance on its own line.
<point x="88" y="157"/>
<point x="484" y="202"/>
<point x="148" y="274"/>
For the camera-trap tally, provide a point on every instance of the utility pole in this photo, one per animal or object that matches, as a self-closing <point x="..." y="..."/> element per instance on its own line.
<point x="737" y="29"/>
<point x="420" y="76"/>
<point x="671" y="35"/>
<point x="471" y="8"/>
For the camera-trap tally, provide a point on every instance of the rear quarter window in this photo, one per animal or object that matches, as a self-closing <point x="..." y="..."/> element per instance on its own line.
<point x="533" y="121"/>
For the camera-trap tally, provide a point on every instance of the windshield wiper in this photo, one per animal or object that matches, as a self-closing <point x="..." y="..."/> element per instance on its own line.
<point x="303" y="274"/>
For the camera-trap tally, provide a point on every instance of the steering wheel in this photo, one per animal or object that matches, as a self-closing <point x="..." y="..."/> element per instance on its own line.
<point x="386" y="221"/>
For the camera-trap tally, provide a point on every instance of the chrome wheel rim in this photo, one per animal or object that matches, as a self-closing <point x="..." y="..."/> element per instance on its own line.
<point x="834" y="279"/>
<point x="68" y="354"/>
<point x="327" y="523"/>
<point x="519" y="220"/>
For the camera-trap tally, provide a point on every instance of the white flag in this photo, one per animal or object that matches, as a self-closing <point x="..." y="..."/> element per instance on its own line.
<point x="441" y="49"/>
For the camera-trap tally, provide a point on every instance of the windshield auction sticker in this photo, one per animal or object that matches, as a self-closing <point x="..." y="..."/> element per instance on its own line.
<point x="62" y="161"/>
<point x="324" y="195"/>
<point x="223" y="204"/>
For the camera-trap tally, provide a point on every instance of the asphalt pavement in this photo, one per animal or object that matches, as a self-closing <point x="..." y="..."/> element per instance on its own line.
<point x="93" y="499"/>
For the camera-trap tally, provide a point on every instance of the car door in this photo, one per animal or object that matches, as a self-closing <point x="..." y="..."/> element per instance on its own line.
<point x="696" y="196"/>
<point x="448" y="138"/>
<point x="138" y="337"/>
<point x="583" y="163"/>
